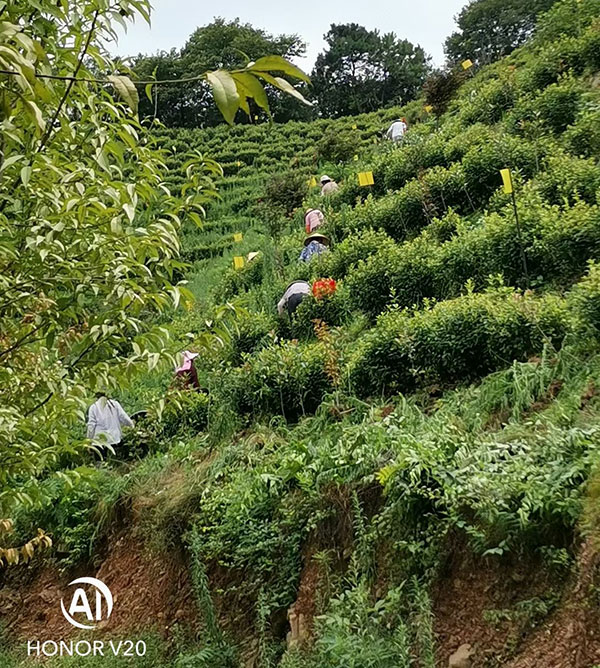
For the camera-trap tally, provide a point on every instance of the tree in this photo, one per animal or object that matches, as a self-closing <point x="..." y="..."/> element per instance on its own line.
<point x="362" y="70"/>
<point x="218" y="45"/>
<point x="491" y="29"/>
<point x="441" y="86"/>
<point x="89" y="232"/>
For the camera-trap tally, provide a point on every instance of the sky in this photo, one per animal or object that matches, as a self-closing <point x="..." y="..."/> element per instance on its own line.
<point x="424" y="22"/>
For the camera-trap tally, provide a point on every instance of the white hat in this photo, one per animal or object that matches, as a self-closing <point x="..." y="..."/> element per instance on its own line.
<point x="325" y="178"/>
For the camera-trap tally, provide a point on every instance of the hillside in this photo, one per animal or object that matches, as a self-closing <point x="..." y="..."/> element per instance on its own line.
<point x="404" y="467"/>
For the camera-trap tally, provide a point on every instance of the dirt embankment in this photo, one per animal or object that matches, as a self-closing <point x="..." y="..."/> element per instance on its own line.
<point x="492" y="606"/>
<point x="148" y="593"/>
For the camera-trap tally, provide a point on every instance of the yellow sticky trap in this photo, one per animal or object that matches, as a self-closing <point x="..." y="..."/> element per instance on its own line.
<point x="365" y="179"/>
<point x="355" y="158"/>
<point x="507" y="179"/>
<point x="238" y="262"/>
<point x="467" y="64"/>
<point x="238" y="163"/>
<point x="312" y="182"/>
<point x="355" y="127"/>
<point x="238" y="236"/>
<point x="428" y="108"/>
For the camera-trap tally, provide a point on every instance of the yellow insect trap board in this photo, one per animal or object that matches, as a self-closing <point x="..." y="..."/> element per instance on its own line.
<point x="507" y="180"/>
<point x="238" y="236"/>
<point x="365" y="179"/>
<point x="238" y="262"/>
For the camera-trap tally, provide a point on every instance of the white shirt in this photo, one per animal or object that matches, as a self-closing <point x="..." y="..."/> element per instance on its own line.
<point x="297" y="288"/>
<point x="396" y="130"/>
<point x="105" y="418"/>
<point x="329" y="188"/>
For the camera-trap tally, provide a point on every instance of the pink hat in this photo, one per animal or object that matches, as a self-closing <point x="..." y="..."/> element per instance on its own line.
<point x="188" y="358"/>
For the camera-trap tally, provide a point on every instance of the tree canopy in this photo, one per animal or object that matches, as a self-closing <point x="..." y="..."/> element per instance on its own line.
<point x="490" y="29"/>
<point x="220" y="44"/>
<point x="89" y="230"/>
<point x="363" y="70"/>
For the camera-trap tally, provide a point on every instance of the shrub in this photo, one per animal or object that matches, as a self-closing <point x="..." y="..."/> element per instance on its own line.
<point x="556" y="107"/>
<point x="336" y="146"/>
<point x="287" y="379"/>
<point x="493" y="99"/>
<point x="355" y="247"/>
<point x="252" y="334"/>
<point x="583" y="138"/>
<point x="440" y="88"/>
<point x="404" y="213"/>
<point x="585" y="298"/>
<point x="236" y="281"/>
<point x="186" y="411"/>
<point x="483" y="163"/>
<point x="397" y="168"/>
<point x="566" y="179"/>
<point x="332" y="310"/>
<point x="403" y="274"/>
<point x="287" y="190"/>
<point x="456" y="340"/>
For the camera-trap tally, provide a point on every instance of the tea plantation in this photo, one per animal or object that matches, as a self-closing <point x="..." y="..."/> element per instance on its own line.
<point x="442" y="402"/>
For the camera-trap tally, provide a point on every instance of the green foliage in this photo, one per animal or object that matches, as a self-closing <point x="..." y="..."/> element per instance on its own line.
<point x="185" y="412"/>
<point x="287" y="379"/>
<point x="558" y="244"/>
<point x="440" y="87"/>
<point x="332" y="311"/>
<point x="583" y="137"/>
<point x="286" y="190"/>
<point x="362" y="70"/>
<point x="490" y="29"/>
<point x="281" y="475"/>
<point x="455" y="340"/>
<point x="586" y="299"/>
<point x="355" y="632"/>
<point x="217" y="45"/>
<point x="89" y="241"/>
<point x="336" y="147"/>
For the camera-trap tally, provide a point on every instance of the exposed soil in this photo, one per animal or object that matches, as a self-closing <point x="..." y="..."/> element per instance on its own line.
<point x="568" y="638"/>
<point x="474" y="603"/>
<point x="148" y="594"/>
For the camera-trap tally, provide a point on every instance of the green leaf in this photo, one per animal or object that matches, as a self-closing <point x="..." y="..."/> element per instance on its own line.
<point x="285" y="86"/>
<point x="278" y="64"/>
<point x="225" y="93"/>
<point x="36" y="114"/>
<point x="252" y="88"/>
<point x="26" y="175"/>
<point x="126" y="90"/>
<point x="148" y="90"/>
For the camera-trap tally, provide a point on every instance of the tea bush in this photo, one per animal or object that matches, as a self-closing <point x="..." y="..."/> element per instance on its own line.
<point x="333" y="311"/>
<point x="583" y="137"/>
<point x="353" y="248"/>
<point x="585" y="298"/>
<point x="558" y="245"/>
<point x="455" y="340"/>
<point x="288" y="379"/>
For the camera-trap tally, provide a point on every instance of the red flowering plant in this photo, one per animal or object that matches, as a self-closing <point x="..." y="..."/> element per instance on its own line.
<point x="324" y="287"/>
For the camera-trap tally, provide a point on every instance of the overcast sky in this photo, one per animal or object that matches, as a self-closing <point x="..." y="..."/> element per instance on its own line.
<point x="424" y="22"/>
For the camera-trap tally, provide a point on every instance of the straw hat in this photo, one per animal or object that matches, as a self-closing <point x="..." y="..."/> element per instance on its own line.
<point x="315" y="236"/>
<point x="252" y="255"/>
<point x="325" y="179"/>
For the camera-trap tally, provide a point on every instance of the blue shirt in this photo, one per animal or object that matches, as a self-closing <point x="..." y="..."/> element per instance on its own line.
<point x="313" y="248"/>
